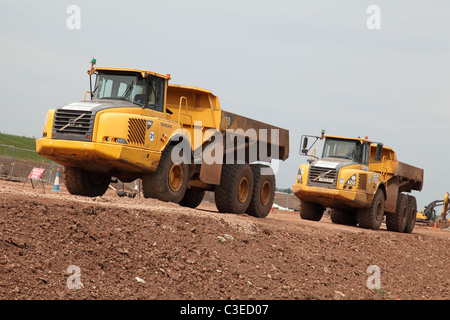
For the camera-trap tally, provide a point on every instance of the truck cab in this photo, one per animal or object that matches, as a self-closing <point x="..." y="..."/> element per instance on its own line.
<point x="343" y="171"/>
<point x="126" y="109"/>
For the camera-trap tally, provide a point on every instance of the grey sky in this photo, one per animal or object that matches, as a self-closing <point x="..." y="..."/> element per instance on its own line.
<point x="301" y="65"/>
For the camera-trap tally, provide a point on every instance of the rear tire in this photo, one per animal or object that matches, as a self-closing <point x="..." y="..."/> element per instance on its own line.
<point x="397" y="221"/>
<point x="84" y="183"/>
<point x="170" y="180"/>
<point x="311" y="211"/>
<point x="372" y="217"/>
<point x="412" y="212"/>
<point x="234" y="193"/>
<point x="263" y="191"/>
<point x="192" y="198"/>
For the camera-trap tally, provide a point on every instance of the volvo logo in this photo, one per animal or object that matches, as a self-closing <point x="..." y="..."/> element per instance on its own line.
<point x="72" y="122"/>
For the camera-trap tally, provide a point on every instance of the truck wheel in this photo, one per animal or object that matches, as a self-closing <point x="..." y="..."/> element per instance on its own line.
<point x="412" y="212"/>
<point x="84" y="183"/>
<point x="342" y="217"/>
<point x="311" y="211"/>
<point x="263" y="191"/>
<point x="170" y="180"/>
<point x="397" y="221"/>
<point x="192" y="198"/>
<point x="372" y="217"/>
<point x="234" y="193"/>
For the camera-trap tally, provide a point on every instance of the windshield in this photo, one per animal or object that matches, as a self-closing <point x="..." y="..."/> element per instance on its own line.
<point x="349" y="149"/>
<point x="121" y="87"/>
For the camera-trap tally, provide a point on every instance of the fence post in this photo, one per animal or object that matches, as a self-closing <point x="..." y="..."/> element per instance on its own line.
<point x="50" y="173"/>
<point x="12" y="163"/>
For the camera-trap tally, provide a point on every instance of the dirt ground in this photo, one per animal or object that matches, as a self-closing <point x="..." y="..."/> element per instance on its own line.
<point x="55" y="246"/>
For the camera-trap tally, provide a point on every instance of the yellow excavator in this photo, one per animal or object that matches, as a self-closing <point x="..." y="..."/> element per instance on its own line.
<point x="428" y="214"/>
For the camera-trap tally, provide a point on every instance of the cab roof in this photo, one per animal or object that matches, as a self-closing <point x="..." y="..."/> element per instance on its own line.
<point x="348" y="138"/>
<point x="144" y="73"/>
<point x="361" y="140"/>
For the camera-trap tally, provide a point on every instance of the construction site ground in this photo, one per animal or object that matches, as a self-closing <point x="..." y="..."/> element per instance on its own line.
<point x="136" y="248"/>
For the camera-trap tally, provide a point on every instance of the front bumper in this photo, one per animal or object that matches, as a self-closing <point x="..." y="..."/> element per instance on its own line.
<point x="333" y="198"/>
<point x="98" y="157"/>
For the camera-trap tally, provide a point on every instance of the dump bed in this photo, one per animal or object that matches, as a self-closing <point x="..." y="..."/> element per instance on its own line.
<point x="197" y="104"/>
<point x="409" y="177"/>
<point x="265" y="133"/>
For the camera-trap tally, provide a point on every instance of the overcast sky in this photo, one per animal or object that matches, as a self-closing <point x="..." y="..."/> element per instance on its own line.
<point x="304" y="65"/>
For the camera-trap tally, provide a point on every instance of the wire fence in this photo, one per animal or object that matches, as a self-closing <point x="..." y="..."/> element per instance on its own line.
<point x="17" y="163"/>
<point x="286" y="200"/>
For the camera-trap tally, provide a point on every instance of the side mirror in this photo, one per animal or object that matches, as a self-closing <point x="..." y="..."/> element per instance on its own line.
<point x="379" y="151"/>
<point x="305" y="145"/>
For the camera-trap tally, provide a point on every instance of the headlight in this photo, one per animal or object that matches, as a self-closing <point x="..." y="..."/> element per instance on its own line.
<point x="120" y="140"/>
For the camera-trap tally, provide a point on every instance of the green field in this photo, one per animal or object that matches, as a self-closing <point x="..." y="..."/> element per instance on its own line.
<point x="25" y="148"/>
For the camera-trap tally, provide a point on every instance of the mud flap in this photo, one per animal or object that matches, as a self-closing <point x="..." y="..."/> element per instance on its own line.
<point x="210" y="173"/>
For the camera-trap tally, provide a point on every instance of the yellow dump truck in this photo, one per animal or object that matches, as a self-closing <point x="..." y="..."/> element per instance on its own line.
<point x="177" y="139"/>
<point x="360" y="181"/>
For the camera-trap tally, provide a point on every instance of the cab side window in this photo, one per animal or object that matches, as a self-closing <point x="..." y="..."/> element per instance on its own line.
<point x="156" y="94"/>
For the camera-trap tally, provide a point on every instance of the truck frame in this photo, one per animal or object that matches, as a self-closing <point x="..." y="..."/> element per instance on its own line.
<point x="360" y="181"/>
<point x="176" y="138"/>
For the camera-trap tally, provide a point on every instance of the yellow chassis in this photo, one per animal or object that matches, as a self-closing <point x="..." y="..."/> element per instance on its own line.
<point x="333" y="198"/>
<point x="97" y="156"/>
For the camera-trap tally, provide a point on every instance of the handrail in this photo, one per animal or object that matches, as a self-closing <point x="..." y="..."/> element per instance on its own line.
<point x="313" y="154"/>
<point x="85" y="93"/>
<point x="179" y="110"/>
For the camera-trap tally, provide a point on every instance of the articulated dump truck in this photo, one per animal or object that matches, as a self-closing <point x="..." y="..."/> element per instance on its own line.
<point x="177" y="139"/>
<point x="360" y="182"/>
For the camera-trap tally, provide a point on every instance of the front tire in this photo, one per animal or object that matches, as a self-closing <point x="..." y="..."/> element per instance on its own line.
<point x="343" y="217"/>
<point x="169" y="182"/>
<point x="84" y="183"/>
<point x="311" y="211"/>
<point x="372" y="217"/>
<point x="193" y="197"/>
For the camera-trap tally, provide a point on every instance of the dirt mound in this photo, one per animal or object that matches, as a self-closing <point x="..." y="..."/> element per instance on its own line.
<point x="122" y="248"/>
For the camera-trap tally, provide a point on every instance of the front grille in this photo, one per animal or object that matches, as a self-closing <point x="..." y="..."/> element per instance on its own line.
<point x="73" y="122"/>
<point x="136" y="131"/>
<point x="318" y="175"/>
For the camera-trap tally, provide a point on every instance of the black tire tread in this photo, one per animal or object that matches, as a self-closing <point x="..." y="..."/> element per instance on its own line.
<point x="225" y="195"/>
<point x="155" y="185"/>
<point x="311" y="211"/>
<point x="192" y="198"/>
<point x="78" y="182"/>
<point x="412" y="212"/>
<point x="256" y="208"/>
<point x="394" y="221"/>
<point x="366" y="217"/>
